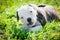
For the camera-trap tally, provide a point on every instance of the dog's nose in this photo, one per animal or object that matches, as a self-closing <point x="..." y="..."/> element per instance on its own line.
<point x="29" y="19"/>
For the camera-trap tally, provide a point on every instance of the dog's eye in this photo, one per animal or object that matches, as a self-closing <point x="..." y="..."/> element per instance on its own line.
<point x="21" y="17"/>
<point x="30" y="11"/>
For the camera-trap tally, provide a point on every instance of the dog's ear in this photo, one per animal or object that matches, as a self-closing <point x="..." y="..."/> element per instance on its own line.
<point x="17" y="16"/>
<point x="33" y="6"/>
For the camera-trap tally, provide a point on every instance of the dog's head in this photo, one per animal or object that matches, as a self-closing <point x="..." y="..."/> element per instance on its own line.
<point x="27" y="14"/>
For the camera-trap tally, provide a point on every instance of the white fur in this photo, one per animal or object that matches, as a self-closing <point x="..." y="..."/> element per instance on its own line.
<point x="24" y="11"/>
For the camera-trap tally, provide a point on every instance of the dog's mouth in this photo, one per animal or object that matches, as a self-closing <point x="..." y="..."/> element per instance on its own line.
<point x="34" y="25"/>
<point x="30" y="23"/>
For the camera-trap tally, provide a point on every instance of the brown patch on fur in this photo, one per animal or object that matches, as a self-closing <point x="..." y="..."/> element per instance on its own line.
<point x="50" y="15"/>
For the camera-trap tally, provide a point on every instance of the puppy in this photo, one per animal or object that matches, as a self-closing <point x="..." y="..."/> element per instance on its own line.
<point x="34" y="17"/>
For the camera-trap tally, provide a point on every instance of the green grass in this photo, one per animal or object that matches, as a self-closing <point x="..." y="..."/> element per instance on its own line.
<point x="10" y="29"/>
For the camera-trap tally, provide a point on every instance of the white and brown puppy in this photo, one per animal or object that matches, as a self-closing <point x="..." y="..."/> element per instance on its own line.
<point x="34" y="17"/>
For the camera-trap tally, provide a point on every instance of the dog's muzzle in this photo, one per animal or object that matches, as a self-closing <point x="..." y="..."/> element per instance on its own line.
<point x="30" y="23"/>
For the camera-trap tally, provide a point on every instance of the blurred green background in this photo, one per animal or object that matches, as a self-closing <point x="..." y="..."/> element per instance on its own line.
<point x="10" y="29"/>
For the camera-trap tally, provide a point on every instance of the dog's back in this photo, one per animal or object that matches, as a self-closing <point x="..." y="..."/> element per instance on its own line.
<point x="49" y="13"/>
